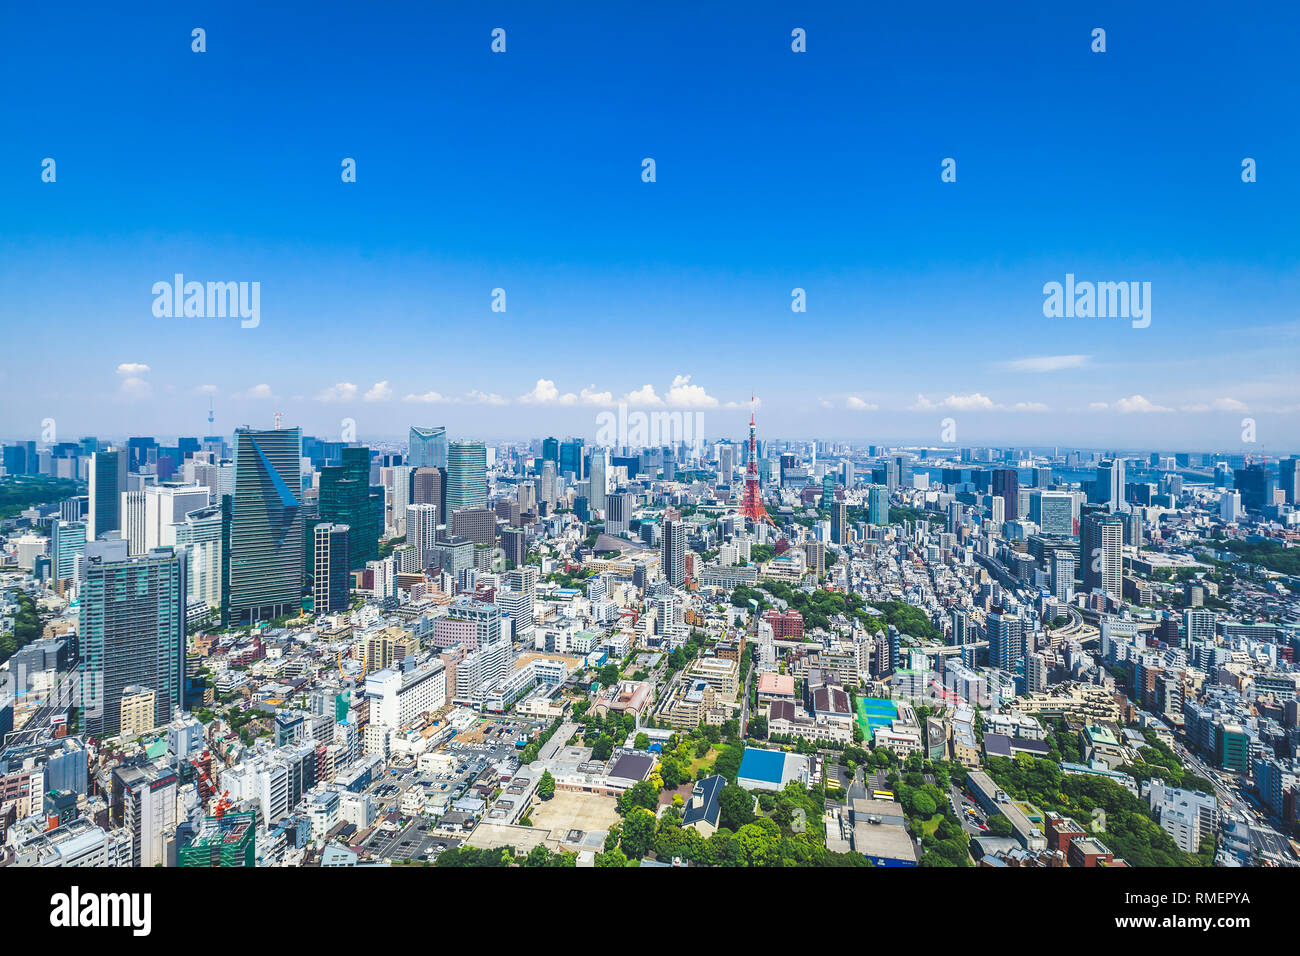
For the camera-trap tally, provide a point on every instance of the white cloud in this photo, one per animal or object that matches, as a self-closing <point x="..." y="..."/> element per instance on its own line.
<point x="590" y="396"/>
<point x="133" y="369"/>
<point x="427" y="397"/>
<point x="379" y="392"/>
<point x="974" y="402"/>
<point x="1046" y="363"/>
<point x="961" y="403"/>
<point x="1098" y="406"/>
<point x="262" y="391"/>
<point x="342" y="392"/>
<point x="859" y="405"/>
<point x="1139" y="404"/>
<point x="685" y="395"/>
<point x="207" y="389"/>
<point x="545" y="393"/>
<point x="645" y="395"/>
<point x="485" y="398"/>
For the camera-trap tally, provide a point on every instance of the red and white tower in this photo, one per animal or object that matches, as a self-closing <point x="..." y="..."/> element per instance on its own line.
<point x="751" y="506"/>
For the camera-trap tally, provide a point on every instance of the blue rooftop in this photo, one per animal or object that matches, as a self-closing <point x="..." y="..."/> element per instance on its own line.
<point x="766" y="765"/>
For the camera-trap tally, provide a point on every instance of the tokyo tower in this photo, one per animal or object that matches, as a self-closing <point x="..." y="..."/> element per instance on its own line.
<point x="751" y="506"/>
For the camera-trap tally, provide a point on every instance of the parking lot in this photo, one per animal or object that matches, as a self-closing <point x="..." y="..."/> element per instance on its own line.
<point x="416" y="841"/>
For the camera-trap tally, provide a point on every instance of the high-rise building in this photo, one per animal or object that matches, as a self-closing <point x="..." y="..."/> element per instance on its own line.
<point x="69" y="541"/>
<point x="596" y="496"/>
<point x="346" y="498"/>
<point x="1101" y="548"/>
<point x="466" y="475"/>
<point x="618" y="520"/>
<point x="1006" y="639"/>
<point x="514" y="542"/>
<point x="399" y="481"/>
<point x="878" y="505"/>
<point x="107" y="484"/>
<point x="199" y="533"/>
<point x="151" y="515"/>
<point x="264" y="577"/>
<point x="1255" y="484"/>
<point x="1056" y="513"/>
<point x="1006" y="485"/>
<point x="571" y="460"/>
<point x="131" y="631"/>
<point x="1109" y="489"/>
<point x="422" y="531"/>
<point x="427" y="447"/>
<point x="839" y="522"/>
<point x="477" y="524"/>
<point x="331" y="576"/>
<point x="673" y="551"/>
<point x="726" y="462"/>
<point x="1289" y="479"/>
<point x="1063" y="568"/>
<point x="1035" y="673"/>
<point x="547" y="492"/>
<point x="429" y="487"/>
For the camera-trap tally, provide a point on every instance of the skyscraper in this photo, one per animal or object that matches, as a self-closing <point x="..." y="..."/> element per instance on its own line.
<point x="69" y="541"/>
<point x="1056" y="513"/>
<point x="266" y="553"/>
<point x="1101" y="548"/>
<point x="598" y="487"/>
<point x="1255" y="482"/>
<point x="673" y="553"/>
<point x="1063" y="566"/>
<point x="199" y="533"/>
<point x="839" y="522"/>
<point x="1006" y="485"/>
<point x="878" y="505"/>
<point x="1289" y="479"/>
<point x="422" y="530"/>
<point x="346" y="498"/>
<point x="429" y="487"/>
<point x="1110" y="484"/>
<point x="1006" y="639"/>
<point x="466" y="475"/>
<point x="107" y="483"/>
<point x="131" y="631"/>
<point x="427" y="447"/>
<point x="570" y="464"/>
<point x="330" y="576"/>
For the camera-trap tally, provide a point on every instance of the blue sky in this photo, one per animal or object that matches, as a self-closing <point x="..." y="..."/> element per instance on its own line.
<point x="775" y="170"/>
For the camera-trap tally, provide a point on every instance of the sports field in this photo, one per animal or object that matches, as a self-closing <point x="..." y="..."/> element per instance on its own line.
<point x="875" y="712"/>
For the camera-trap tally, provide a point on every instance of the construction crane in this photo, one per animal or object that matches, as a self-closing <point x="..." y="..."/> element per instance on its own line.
<point x="206" y="788"/>
<point x="224" y="804"/>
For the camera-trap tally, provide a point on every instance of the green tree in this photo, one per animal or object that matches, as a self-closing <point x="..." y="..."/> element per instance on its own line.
<point x="614" y="857"/>
<point x="546" y="786"/>
<point x="638" y="833"/>
<point x="735" y="807"/>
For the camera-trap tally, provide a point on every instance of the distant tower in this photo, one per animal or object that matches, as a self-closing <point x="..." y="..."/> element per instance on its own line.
<point x="210" y="418"/>
<point x="751" y="506"/>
